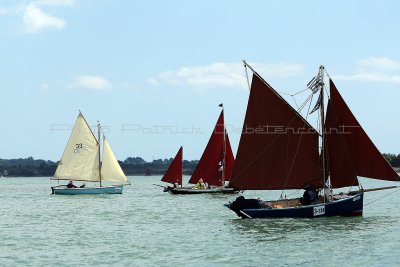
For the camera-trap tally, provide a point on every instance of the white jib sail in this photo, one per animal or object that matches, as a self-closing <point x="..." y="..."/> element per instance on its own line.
<point x="110" y="168"/>
<point x="80" y="160"/>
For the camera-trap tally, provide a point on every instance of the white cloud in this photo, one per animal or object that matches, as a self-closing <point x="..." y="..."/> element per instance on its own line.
<point x="91" y="82"/>
<point x="383" y="63"/>
<point x="222" y="74"/>
<point x="35" y="17"/>
<point x="35" y="20"/>
<point x="369" y="77"/>
<point x="374" y="70"/>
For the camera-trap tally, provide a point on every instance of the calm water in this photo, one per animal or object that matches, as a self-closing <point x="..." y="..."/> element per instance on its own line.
<point x="146" y="227"/>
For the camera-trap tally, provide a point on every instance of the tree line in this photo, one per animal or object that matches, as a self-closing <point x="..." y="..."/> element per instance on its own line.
<point x="31" y="167"/>
<point x="393" y="159"/>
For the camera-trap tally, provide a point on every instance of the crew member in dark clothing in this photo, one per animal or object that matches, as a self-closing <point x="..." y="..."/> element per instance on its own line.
<point x="71" y="185"/>
<point x="310" y="196"/>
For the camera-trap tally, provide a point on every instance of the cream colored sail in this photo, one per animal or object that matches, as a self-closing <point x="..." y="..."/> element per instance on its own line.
<point x="110" y="168"/>
<point x="80" y="160"/>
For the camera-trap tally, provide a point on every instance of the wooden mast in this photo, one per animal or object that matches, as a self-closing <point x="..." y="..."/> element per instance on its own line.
<point x="322" y="110"/>
<point x="224" y="150"/>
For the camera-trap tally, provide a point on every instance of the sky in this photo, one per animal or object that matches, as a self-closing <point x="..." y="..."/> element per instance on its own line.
<point x="154" y="72"/>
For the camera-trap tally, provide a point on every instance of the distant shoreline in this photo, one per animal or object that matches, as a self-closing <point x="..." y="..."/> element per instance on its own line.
<point x="132" y="166"/>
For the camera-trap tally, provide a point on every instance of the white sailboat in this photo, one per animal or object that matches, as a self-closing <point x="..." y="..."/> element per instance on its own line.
<point x="81" y="162"/>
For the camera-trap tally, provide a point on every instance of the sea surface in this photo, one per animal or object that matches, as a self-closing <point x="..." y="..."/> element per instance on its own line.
<point x="146" y="227"/>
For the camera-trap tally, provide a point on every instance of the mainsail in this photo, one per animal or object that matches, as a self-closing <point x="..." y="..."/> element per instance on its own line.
<point x="278" y="149"/>
<point x="211" y="165"/>
<point x="174" y="172"/>
<point x="80" y="160"/>
<point x="110" y="168"/>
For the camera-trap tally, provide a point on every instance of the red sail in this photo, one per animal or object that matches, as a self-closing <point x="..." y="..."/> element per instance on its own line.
<point x="174" y="172"/>
<point x="209" y="167"/>
<point x="342" y="170"/>
<point x="366" y="158"/>
<point x="278" y="149"/>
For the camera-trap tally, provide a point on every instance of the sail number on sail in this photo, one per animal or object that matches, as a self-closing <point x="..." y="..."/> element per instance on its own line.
<point x="78" y="148"/>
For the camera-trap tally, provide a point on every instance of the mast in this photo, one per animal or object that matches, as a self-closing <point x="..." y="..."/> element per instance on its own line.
<point x="98" y="128"/>
<point x="224" y="150"/>
<point x="181" y="178"/>
<point x="322" y="110"/>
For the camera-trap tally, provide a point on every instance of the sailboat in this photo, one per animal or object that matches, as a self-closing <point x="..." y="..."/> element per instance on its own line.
<point x="173" y="175"/>
<point x="280" y="150"/>
<point x="214" y="168"/>
<point x="81" y="162"/>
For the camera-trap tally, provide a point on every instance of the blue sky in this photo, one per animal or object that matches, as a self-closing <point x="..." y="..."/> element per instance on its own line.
<point x="135" y="65"/>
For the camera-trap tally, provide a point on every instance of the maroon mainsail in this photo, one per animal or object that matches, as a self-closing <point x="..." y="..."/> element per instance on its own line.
<point x="174" y="173"/>
<point x="210" y="166"/>
<point x="278" y="149"/>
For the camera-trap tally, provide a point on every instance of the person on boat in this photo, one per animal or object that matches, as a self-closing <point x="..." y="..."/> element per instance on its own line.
<point x="200" y="184"/>
<point x="310" y="196"/>
<point x="71" y="185"/>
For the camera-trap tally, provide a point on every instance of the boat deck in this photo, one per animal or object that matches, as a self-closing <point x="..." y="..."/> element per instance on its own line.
<point x="295" y="202"/>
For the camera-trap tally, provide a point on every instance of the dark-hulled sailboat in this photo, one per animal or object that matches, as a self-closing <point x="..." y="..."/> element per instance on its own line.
<point x="280" y="150"/>
<point x="214" y="168"/>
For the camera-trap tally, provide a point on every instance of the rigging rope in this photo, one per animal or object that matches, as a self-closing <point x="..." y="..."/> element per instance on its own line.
<point x="298" y="145"/>
<point x="382" y="197"/>
<point x="294" y="99"/>
<point x="327" y="74"/>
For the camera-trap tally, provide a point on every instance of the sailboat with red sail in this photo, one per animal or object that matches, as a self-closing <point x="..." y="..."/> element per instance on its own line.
<point x="280" y="150"/>
<point x="174" y="173"/>
<point x="214" y="170"/>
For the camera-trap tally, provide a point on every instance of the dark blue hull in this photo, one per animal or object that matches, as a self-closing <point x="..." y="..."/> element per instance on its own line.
<point x="345" y="206"/>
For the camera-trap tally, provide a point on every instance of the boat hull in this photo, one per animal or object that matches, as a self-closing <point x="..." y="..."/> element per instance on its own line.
<point x="117" y="189"/>
<point x="191" y="191"/>
<point x="348" y="206"/>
